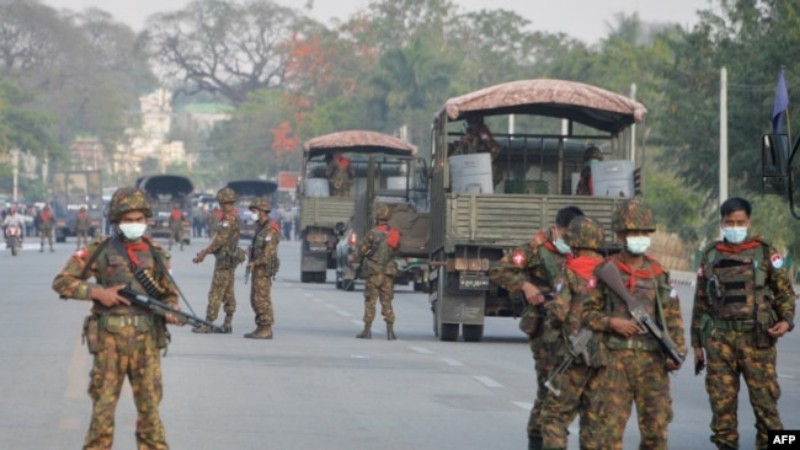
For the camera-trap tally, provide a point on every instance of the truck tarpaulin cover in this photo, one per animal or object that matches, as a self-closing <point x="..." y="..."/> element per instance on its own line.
<point x="166" y="184"/>
<point x="253" y="188"/>
<point x="359" y="140"/>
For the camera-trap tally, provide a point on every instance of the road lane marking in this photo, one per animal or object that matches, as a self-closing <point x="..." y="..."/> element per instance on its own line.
<point x="453" y="362"/>
<point x="69" y="423"/>
<point x="791" y="377"/>
<point x="486" y="381"/>
<point x="358" y="322"/>
<point x="343" y="313"/>
<point x="527" y="406"/>
<point x="77" y="379"/>
<point x="308" y="294"/>
<point x="422" y="350"/>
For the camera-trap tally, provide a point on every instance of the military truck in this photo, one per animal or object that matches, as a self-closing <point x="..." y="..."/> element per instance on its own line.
<point x="165" y="192"/>
<point x="319" y="211"/>
<point x="480" y="212"/>
<point x="73" y="190"/>
<point x="406" y="196"/>
<point x="246" y="191"/>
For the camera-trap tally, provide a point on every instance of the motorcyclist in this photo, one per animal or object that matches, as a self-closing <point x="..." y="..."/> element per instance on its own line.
<point x="12" y="218"/>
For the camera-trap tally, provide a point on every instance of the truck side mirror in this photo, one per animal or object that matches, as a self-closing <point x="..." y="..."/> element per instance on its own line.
<point x="774" y="164"/>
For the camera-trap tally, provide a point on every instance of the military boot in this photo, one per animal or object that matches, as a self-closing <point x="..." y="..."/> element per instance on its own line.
<point x="366" y="333"/>
<point x="202" y="328"/>
<point x="535" y="443"/>
<point x="261" y="332"/>
<point x="227" y="328"/>
<point x="390" y="332"/>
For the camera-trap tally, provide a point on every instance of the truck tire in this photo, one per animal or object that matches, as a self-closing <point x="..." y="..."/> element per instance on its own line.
<point x="445" y="331"/>
<point x="306" y="277"/>
<point x="472" y="333"/>
<point x="320" y="277"/>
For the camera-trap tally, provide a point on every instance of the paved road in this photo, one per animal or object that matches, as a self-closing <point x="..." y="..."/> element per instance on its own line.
<point x="313" y="386"/>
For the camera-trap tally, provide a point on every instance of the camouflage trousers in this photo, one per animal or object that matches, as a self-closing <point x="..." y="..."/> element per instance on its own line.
<point x="581" y="393"/>
<point x="126" y="351"/>
<point x="382" y="286"/>
<point x="46" y="233"/>
<point x="81" y="236"/>
<point x="176" y="235"/>
<point x="542" y="365"/>
<point x="221" y="293"/>
<point x="731" y="354"/>
<point x="260" y="298"/>
<point x="640" y="377"/>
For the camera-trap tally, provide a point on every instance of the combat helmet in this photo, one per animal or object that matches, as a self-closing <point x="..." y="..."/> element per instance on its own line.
<point x="584" y="232"/>
<point x="226" y="195"/>
<point x="382" y="212"/>
<point x="593" y="153"/>
<point x="260" y="203"/>
<point x="129" y="199"/>
<point x="634" y="214"/>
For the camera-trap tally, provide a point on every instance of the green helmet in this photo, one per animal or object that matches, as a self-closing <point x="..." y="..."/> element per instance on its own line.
<point x="226" y="195"/>
<point x="262" y="204"/>
<point x="634" y="214"/>
<point x="382" y="212"/>
<point x="584" y="232"/>
<point x="592" y="153"/>
<point x="129" y="199"/>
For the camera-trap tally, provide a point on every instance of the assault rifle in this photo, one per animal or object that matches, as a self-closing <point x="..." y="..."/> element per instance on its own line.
<point x="162" y="309"/>
<point x="610" y="275"/>
<point x="578" y="348"/>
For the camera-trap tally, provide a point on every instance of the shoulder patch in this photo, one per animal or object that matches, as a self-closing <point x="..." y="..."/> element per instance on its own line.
<point x="225" y="224"/>
<point x="518" y="258"/>
<point x="592" y="283"/>
<point x="81" y="254"/>
<point x="777" y="260"/>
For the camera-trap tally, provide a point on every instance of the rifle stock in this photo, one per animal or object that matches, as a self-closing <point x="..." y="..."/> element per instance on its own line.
<point x="162" y="309"/>
<point x="609" y="274"/>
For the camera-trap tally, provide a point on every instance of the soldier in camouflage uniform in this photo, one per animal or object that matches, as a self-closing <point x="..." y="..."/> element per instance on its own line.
<point x="580" y="383"/>
<point x="82" y="227"/>
<point x="744" y="302"/>
<point x="263" y="266"/>
<point x="533" y="270"/>
<point x="124" y="339"/>
<point x="340" y="174"/>
<point x="377" y="252"/>
<point x="176" y="227"/>
<point x="225" y="248"/>
<point x="46" y="224"/>
<point x="637" y="370"/>
<point x="479" y="139"/>
<point x="591" y="156"/>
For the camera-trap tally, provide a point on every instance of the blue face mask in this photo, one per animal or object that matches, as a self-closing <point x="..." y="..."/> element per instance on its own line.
<point x="562" y="246"/>
<point x="637" y="245"/>
<point x="592" y="162"/>
<point x="735" y="235"/>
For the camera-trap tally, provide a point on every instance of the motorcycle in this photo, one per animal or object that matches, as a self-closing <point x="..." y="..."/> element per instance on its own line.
<point x="13" y="239"/>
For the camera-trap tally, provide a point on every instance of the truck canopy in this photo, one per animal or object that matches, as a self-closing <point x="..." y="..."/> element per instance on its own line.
<point x="253" y="188"/>
<point x="358" y="141"/>
<point x="165" y="185"/>
<point x="578" y="102"/>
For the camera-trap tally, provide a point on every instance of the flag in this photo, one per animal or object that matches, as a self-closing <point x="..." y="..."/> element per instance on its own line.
<point x="781" y="103"/>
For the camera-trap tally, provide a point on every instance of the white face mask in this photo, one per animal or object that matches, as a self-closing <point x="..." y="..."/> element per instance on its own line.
<point x="735" y="235"/>
<point x="637" y="245"/>
<point x="562" y="246"/>
<point x="132" y="231"/>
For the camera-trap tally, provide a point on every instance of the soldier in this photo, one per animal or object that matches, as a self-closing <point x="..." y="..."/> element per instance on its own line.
<point x="124" y="339"/>
<point x="591" y="156"/>
<point x="82" y="227"/>
<point x="637" y="370"/>
<point x="743" y="303"/>
<point x="263" y="266"/>
<point x="580" y="383"/>
<point x="225" y="248"/>
<point x="377" y="252"/>
<point x="479" y="139"/>
<point x="533" y="269"/>
<point x="176" y="226"/>
<point x="340" y="174"/>
<point x="46" y="224"/>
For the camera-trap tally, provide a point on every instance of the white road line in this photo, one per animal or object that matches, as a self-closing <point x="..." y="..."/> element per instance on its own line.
<point x="422" y="350"/>
<point x="308" y="294"/>
<point x="524" y="405"/>
<point x="358" y="322"/>
<point x="343" y="313"/>
<point x="453" y="362"/>
<point x="488" y="382"/>
<point x="329" y="306"/>
<point x="69" y="423"/>
<point x="791" y="377"/>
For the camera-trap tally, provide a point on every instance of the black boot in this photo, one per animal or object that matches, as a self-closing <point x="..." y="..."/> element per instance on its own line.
<point x="366" y="333"/>
<point x="227" y="326"/>
<point x="390" y="332"/>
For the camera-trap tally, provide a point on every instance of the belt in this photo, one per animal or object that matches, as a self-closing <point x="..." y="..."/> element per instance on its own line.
<point x="735" y="325"/>
<point x="128" y="321"/>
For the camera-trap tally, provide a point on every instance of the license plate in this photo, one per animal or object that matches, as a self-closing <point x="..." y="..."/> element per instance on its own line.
<point x="473" y="281"/>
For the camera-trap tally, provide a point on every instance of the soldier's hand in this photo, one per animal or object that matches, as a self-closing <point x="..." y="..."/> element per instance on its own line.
<point x="779" y="329"/>
<point x="699" y="360"/>
<point x="532" y="294"/>
<point x="199" y="257"/>
<point x="625" y="327"/>
<point x="172" y="319"/>
<point x="109" y="296"/>
<point x="672" y="365"/>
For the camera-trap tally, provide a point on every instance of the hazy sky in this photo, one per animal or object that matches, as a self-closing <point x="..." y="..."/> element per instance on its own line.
<point x="584" y="19"/>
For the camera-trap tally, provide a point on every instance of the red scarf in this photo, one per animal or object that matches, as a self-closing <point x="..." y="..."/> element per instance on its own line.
<point x="47" y="215"/>
<point x="550" y="246"/>
<point x="133" y="247"/>
<point x="275" y="226"/>
<point x="176" y="214"/>
<point x="643" y="273"/>
<point x="726" y="247"/>
<point x="583" y="266"/>
<point x="343" y="162"/>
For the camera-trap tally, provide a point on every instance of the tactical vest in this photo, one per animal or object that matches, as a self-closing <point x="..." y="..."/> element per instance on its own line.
<point x="649" y="292"/>
<point x="381" y="261"/>
<point x="736" y="283"/>
<point x="114" y="269"/>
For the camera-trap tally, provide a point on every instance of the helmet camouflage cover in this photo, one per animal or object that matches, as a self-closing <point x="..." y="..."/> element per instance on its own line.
<point x="592" y="153"/>
<point x="129" y="199"/>
<point x="260" y="203"/>
<point x="382" y="212"/>
<point x="634" y="214"/>
<point x="226" y="195"/>
<point x="584" y="232"/>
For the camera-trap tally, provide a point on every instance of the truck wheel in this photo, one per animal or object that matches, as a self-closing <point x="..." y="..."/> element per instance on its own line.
<point x="420" y="287"/>
<point x="472" y="333"/>
<point x="349" y="285"/>
<point x="320" y="277"/>
<point x="306" y="277"/>
<point x="338" y="280"/>
<point x="445" y="331"/>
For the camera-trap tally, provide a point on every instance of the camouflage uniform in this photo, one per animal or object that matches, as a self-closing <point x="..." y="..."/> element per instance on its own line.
<point x="479" y="139"/>
<point x="377" y="251"/>
<point x="124" y="340"/>
<point x="176" y="228"/>
<point x="540" y="263"/>
<point x="340" y="175"/>
<point x="46" y="223"/>
<point x="264" y="257"/>
<point x="751" y="292"/>
<point x="580" y="384"/>
<point x="82" y="227"/>
<point x="585" y="182"/>
<point x="637" y="367"/>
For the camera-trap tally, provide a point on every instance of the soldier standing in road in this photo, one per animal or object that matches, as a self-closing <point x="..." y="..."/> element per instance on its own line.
<point x="580" y="383"/>
<point x="340" y="175"/>
<point x="225" y="248"/>
<point x="591" y="156"/>
<point x="263" y="266"/>
<point x="377" y="252"/>
<point x="637" y="370"/>
<point x="46" y="224"/>
<point x="176" y="226"/>
<point x="533" y="269"/>
<point x="743" y="303"/>
<point x="124" y="339"/>
<point x="82" y="227"/>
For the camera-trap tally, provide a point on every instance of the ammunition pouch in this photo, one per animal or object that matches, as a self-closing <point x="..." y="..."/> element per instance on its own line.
<point x="639" y="342"/>
<point x="765" y="319"/>
<point x="91" y="333"/>
<point x="706" y="329"/>
<point x="531" y="321"/>
<point x="116" y="323"/>
<point x="160" y="332"/>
